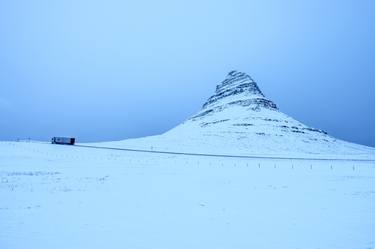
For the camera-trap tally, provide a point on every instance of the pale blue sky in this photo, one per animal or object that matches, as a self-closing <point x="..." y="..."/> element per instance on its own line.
<point x="109" y="70"/>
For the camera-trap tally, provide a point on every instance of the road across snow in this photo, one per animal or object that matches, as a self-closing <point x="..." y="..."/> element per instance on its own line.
<point x="227" y="155"/>
<point x="74" y="197"/>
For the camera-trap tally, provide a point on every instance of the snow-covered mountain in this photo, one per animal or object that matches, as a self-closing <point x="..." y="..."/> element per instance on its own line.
<point x="239" y="119"/>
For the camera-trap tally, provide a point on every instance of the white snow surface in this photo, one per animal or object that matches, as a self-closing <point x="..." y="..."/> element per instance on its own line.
<point x="55" y="196"/>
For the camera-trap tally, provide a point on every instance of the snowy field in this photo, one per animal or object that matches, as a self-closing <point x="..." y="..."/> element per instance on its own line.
<point x="54" y="196"/>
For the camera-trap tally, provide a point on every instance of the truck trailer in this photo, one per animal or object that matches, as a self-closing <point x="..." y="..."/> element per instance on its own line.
<point x="63" y="140"/>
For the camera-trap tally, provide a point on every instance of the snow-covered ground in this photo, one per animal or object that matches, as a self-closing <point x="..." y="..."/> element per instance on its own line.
<point x="55" y="196"/>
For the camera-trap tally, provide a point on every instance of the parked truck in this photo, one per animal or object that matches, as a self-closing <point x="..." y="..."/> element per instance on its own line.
<point x="63" y="140"/>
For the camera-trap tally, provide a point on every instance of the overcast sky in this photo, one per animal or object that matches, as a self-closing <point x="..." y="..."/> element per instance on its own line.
<point x="110" y="70"/>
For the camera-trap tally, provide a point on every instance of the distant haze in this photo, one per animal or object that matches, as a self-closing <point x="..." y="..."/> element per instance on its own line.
<point x="111" y="70"/>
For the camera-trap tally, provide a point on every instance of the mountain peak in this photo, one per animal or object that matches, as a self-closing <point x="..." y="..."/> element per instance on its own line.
<point x="239" y="81"/>
<point x="238" y="89"/>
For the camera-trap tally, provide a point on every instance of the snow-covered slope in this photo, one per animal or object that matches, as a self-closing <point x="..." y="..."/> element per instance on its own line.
<point x="239" y="119"/>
